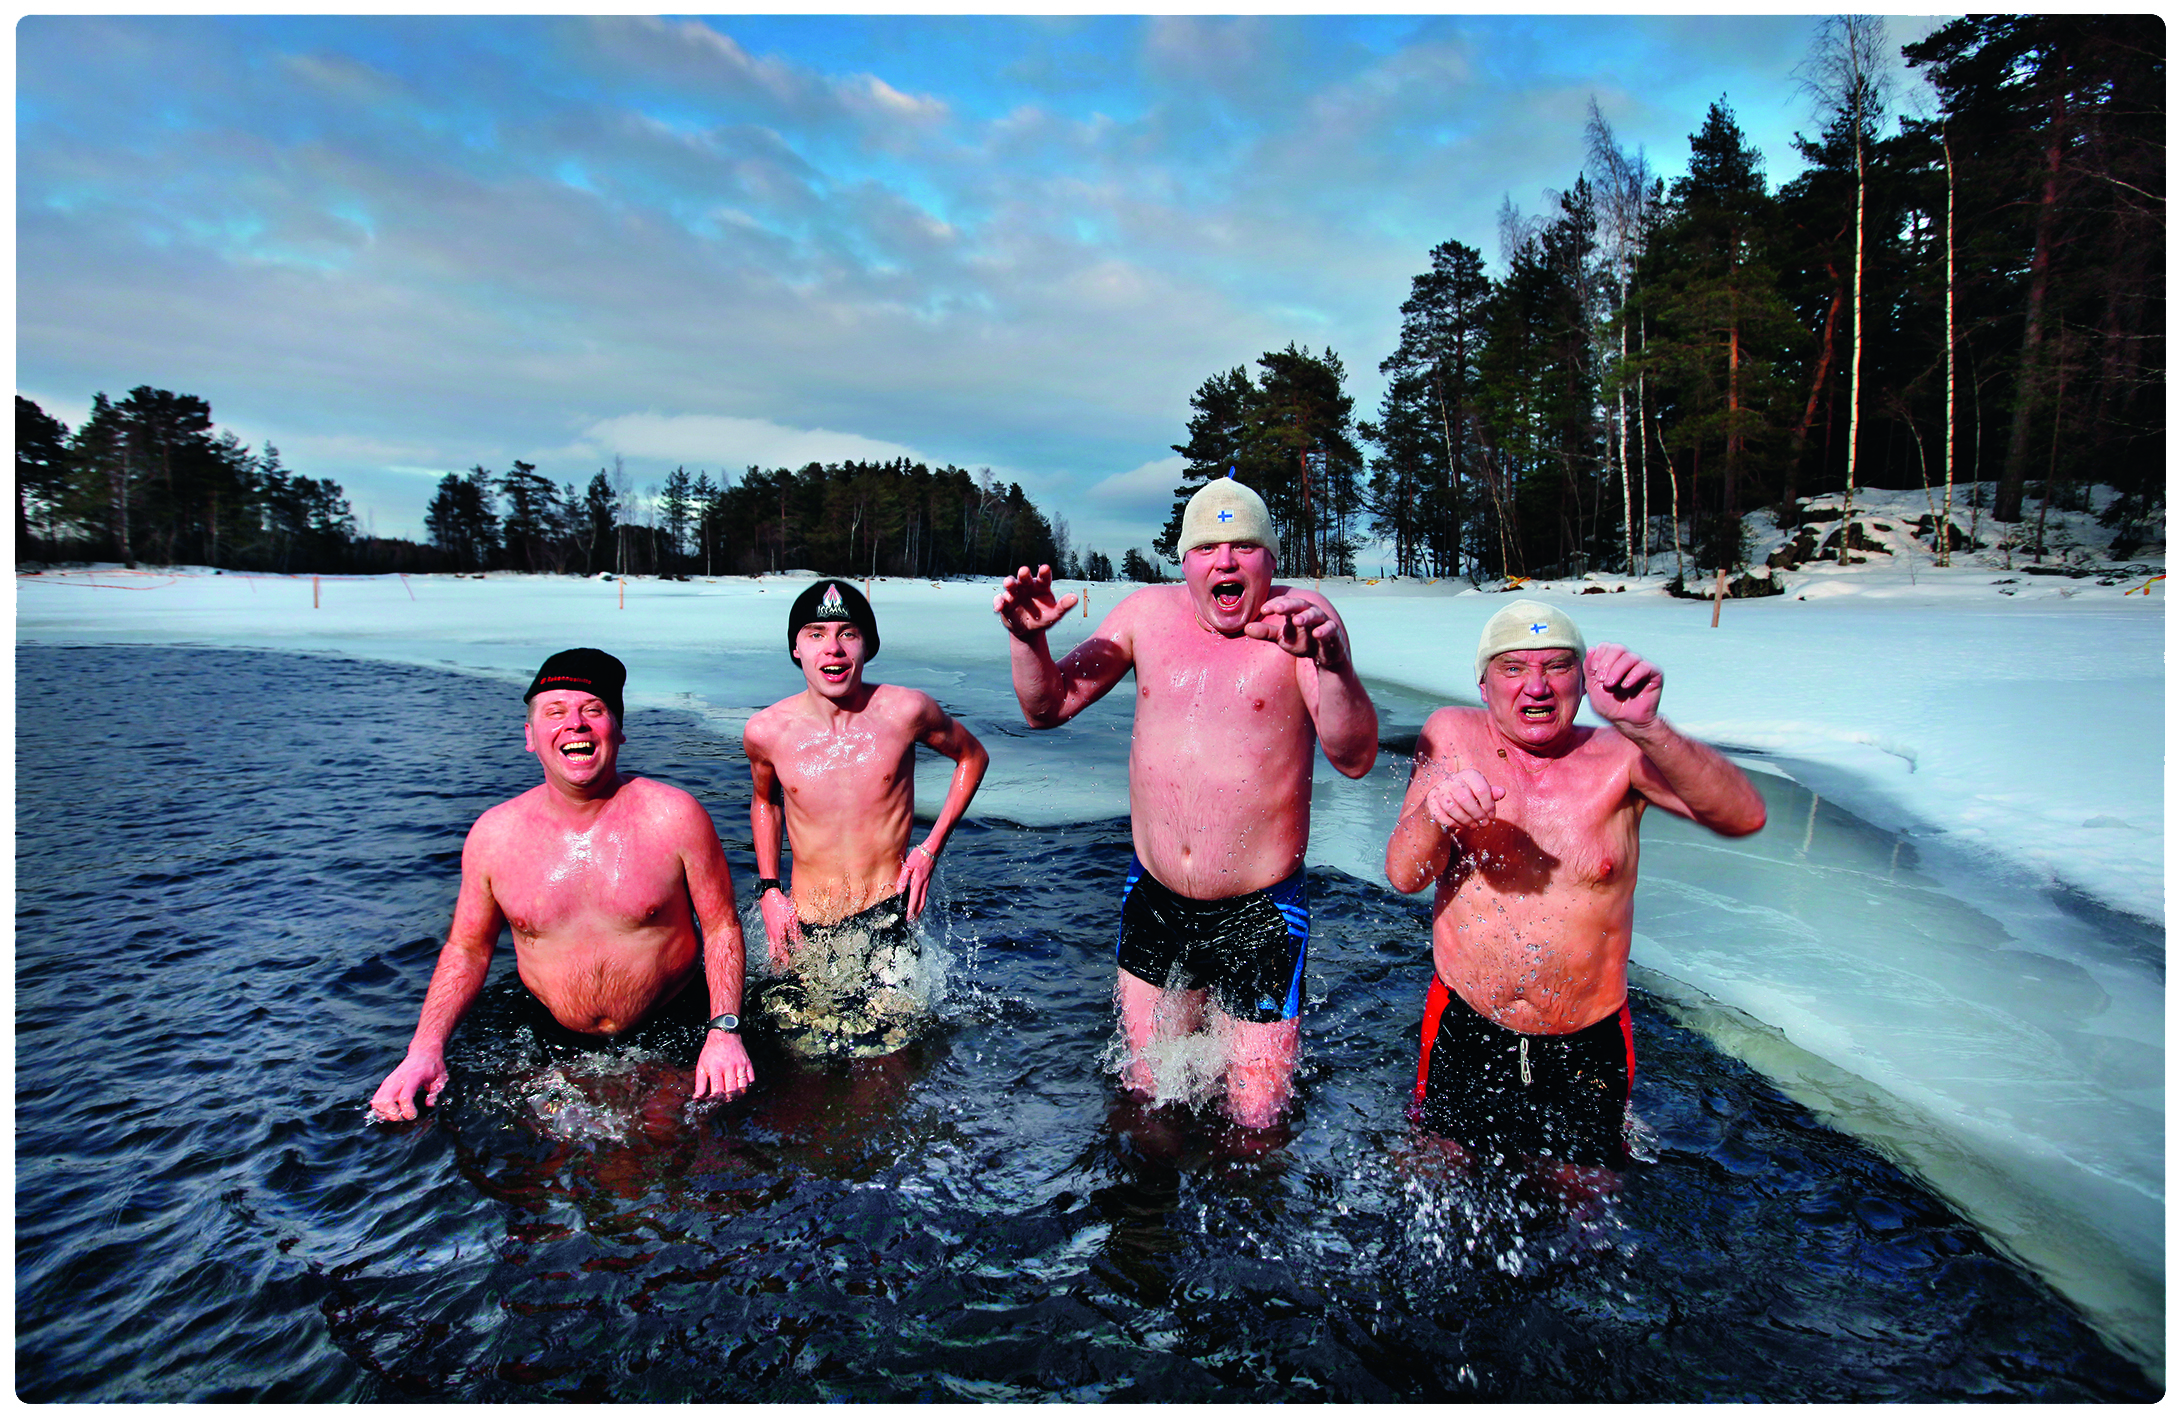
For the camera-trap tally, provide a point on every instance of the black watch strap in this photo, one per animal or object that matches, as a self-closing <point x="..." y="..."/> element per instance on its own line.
<point x="766" y="885"/>
<point x="725" y="1021"/>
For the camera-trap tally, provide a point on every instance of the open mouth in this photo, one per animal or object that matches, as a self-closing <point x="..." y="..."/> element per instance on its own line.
<point x="1227" y="596"/>
<point x="579" y="749"/>
<point x="833" y="671"/>
<point x="1536" y="713"/>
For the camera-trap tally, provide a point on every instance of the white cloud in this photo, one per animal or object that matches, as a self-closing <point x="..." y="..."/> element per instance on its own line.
<point x="724" y="443"/>
<point x="1153" y="482"/>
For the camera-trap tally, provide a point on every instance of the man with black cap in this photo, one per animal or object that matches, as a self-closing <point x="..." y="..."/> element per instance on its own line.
<point x="836" y="763"/>
<point x="1528" y="826"/>
<point x="1238" y="682"/>
<point x="597" y="874"/>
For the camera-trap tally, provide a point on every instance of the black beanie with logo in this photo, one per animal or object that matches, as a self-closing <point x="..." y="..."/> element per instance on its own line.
<point x="833" y="600"/>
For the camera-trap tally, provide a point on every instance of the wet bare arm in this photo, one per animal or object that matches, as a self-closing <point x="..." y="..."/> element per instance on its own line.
<point x="768" y="821"/>
<point x="456" y="980"/>
<point x="1308" y="628"/>
<point x="723" y="1066"/>
<point x="1680" y="774"/>
<point x="1051" y="693"/>
<point x="944" y="734"/>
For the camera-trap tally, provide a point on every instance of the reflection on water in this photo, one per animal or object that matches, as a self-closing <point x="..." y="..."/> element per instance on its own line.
<point x="210" y="984"/>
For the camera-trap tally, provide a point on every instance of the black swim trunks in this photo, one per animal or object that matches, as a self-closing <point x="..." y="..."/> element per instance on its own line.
<point x="854" y="988"/>
<point x="673" y="1030"/>
<point x="1563" y="1096"/>
<point x="1249" y="950"/>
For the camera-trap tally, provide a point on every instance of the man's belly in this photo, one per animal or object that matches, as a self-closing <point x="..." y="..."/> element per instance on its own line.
<point x="1221" y="845"/>
<point x="605" y="992"/>
<point x="824" y="894"/>
<point x="1560" y="966"/>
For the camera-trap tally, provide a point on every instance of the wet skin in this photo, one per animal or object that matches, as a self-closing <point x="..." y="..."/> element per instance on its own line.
<point x="836" y="761"/>
<point x="1236" y="679"/>
<point x="597" y="876"/>
<point x="1528" y="826"/>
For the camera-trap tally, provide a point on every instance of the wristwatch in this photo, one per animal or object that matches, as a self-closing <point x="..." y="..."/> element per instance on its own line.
<point x="725" y="1021"/>
<point x="766" y="885"/>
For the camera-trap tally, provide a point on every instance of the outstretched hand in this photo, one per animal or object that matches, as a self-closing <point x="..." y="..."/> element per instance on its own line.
<point x="1026" y="603"/>
<point x="723" y="1067"/>
<point x="1462" y="798"/>
<point x="396" y="1099"/>
<point x="1302" y="627"/>
<point x="915" y="879"/>
<point x="1624" y="689"/>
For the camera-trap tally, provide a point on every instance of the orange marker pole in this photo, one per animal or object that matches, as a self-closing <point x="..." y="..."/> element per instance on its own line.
<point x="624" y="594"/>
<point x="1718" y="593"/>
<point x="1086" y="602"/>
<point x="314" y="592"/>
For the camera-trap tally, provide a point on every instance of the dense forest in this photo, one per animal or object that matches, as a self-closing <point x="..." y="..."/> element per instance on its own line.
<point x="1970" y="300"/>
<point x="884" y="518"/>
<point x="145" y="480"/>
<point x="1973" y="302"/>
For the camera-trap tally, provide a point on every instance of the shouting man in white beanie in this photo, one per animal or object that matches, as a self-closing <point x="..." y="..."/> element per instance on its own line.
<point x="1527" y="824"/>
<point x="1238" y="681"/>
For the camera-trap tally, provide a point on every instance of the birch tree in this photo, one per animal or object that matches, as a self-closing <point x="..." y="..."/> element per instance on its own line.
<point x="1846" y="73"/>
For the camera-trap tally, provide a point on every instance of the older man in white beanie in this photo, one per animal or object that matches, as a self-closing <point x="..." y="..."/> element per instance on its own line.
<point x="1528" y="826"/>
<point x="1237" y="681"/>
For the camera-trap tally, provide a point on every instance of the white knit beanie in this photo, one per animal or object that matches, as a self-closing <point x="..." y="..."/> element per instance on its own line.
<point x="1527" y="625"/>
<point x="1225" y="509"/>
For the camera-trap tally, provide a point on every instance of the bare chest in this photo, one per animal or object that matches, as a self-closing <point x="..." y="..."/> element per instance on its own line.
<point x="1243" y="689"/>
<point x="821" y="768"/>
<point x="1571" y="823"/>
<point x="550" y="881"/>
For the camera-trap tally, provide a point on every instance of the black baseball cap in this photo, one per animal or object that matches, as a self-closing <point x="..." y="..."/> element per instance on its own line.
<point x="592" y="671"/>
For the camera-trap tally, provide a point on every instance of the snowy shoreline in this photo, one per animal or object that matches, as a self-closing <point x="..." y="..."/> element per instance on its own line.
<point x="1934" y="701"/>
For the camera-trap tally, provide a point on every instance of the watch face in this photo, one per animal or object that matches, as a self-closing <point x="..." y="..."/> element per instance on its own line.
<point x="725" y="1021"/>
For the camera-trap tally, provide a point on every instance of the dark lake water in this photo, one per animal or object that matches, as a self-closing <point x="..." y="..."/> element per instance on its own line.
<point x="233" y="874"/>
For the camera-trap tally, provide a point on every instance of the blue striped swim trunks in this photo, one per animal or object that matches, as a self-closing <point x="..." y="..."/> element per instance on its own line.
<point x="1249" y="949"/>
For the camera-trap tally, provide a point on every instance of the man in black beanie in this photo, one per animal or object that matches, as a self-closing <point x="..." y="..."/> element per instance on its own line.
<point x="836" y="762"/>
<point x="596" y="873"/>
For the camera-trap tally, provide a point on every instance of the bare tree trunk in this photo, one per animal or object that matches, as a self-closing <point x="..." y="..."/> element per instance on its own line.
<point x="1946" y="516"/>
<point x="1620" y="422"/>
<point x="1673" y="486"/>
<point x="1855" y="366"/>
<point x="2007" y="501"/>
<point x="1643" y="453"/>
<point x="1821" y="372"/>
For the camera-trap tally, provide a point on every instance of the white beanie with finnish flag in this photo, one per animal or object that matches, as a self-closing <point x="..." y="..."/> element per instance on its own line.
<point x="1527" y="625"/>
<point x="1224" y="509"/>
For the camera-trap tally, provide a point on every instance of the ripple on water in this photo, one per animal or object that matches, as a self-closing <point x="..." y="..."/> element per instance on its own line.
<point x="207" y="995"/>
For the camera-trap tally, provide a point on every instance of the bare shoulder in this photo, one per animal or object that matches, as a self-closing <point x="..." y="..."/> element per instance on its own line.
<point x="766" y="724"/>
<point x="1150" y="612"/>
<point x="1312" y="597"/>
<point x="1452" y="727"/>
<point x="652" y="796"/>
<point x="1609" y="746"/>
<point x="913" y="709"/>
<point x="1153" y="603"/>
<point x="502" y="822"/>
<point x="662" y="805"/>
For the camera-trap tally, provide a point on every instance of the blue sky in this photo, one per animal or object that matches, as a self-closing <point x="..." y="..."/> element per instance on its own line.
<point x="397" y="247"/>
